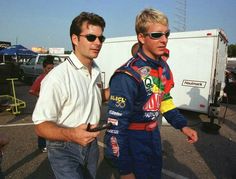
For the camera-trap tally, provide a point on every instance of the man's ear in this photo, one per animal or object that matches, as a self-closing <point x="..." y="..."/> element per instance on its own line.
<point x="74" y="39"/>
<point x="141" y="38"/>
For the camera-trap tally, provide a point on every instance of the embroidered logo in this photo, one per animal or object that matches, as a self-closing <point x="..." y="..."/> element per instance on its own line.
<point x="144" y="71"/>
<point x="154" y="102"/>
<point x="112" y="131"/>
<point x="115" y="113"/>
<point x="120" y="101"/>
<point x="115" y="147"/>
<point x="151" y="114"/>
<point x="113" y="121"/>
<point x="148" y="83"/>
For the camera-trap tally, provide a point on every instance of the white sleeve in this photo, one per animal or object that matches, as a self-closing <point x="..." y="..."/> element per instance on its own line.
<point x="50" y="101"/>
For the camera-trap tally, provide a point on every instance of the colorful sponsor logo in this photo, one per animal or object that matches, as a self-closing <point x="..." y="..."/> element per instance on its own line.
<point x="144" y="71"/>
<point x="154" y="102"/>
<point x="115" y="147"/>
<point x="113" y="121"/>
<point x="115" y="113"/>
<point x="154" y="83"/>
<point x="120" y="101"/>
<point x="148" y="83"/>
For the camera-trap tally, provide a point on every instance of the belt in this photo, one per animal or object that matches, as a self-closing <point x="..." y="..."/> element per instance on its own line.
<point x="147" y="126"/>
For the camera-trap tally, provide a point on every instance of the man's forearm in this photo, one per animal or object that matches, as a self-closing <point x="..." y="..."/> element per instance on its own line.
<point x="79" y="135"/>
<point x="52" y="131"/>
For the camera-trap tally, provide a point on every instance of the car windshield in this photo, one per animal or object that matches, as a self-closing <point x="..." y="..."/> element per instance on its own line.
<point x="56" y="60"/>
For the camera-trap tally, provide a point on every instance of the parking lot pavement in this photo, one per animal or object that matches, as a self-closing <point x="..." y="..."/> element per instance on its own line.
<point x="213" y="156"/>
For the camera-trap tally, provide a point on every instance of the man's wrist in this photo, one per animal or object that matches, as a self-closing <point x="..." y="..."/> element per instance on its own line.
<point x="68" y="134"/>
<point x="184" y="127"/>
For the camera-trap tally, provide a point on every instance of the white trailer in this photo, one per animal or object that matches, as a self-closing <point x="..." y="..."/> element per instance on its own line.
<point x="197" y="59"/>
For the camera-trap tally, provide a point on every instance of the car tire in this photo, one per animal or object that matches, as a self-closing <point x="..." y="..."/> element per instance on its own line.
<point x="22" y="76"/>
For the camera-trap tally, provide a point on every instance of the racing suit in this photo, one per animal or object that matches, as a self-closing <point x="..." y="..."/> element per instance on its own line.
<point x="139" y="94"/>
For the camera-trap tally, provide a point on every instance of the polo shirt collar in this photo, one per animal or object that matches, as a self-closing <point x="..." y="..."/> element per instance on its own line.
<point x="75" y="62"/>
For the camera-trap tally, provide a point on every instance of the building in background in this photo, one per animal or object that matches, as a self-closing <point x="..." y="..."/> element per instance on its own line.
<point x="39" y="50"/>
<point x="51" y="50"/>
<point x="56" y="50"/>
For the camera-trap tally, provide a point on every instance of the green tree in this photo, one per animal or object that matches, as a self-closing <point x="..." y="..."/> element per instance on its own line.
<point x="68" y="52"/>
<point x="232" y="50"/>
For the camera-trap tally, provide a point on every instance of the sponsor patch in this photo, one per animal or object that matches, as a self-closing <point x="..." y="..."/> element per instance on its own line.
<point x="113" y="121"/>
<point x="153" y="103"/>
<point x="151" y="115"/>
<point x="115" y="147"/>
<point x="114" y="113"/>
<point x="112" y="131"/>
<point x="148" y="83"/>
<point x="144" y="71"/>
<point x="120" y="101"/>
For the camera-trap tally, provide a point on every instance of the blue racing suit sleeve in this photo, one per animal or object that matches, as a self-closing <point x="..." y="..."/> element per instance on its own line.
<point x="175" y="118"/>
<point x="123" y="90"/>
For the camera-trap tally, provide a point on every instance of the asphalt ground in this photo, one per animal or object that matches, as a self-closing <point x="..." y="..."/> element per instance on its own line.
<point x="213" y="156"/>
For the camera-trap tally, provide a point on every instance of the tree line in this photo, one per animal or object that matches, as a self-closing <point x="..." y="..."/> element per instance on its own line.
<point x="232" y="50"/>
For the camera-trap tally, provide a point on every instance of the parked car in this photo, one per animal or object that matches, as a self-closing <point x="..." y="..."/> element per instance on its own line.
<point x="34" y="66"/>
<point x="63" y="57"/>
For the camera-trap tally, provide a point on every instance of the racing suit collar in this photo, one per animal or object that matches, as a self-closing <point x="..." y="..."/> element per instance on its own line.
<point x="155" y="63"/>
<point x="144" y="57"/>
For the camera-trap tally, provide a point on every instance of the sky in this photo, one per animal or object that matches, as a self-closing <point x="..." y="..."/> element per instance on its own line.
<point x="46" y="23"/>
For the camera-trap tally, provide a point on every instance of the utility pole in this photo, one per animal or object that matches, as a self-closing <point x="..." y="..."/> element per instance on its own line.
<point x="180" y="16"/>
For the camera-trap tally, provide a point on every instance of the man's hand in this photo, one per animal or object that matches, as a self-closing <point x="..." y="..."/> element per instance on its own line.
<point x="52" y="131"/>
<point x="191" y="134"/>
<point x="81" y="136"/>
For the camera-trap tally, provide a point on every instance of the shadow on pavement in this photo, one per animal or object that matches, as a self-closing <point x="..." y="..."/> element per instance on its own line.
<point x="218" y="150"/>
<point x="106" y="170"/>
<point x="44" y="171"/>
<point x="170" y="161"/>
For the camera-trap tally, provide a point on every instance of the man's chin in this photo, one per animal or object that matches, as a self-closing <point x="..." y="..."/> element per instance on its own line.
<point x="159" y="54"/>
<point x="93" y="57"/>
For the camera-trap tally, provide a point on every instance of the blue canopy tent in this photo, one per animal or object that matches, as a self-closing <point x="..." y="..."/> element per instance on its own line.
<point x="17" y="50"/>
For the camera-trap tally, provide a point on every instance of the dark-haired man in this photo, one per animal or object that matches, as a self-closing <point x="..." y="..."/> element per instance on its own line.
<point x="70" y="98"/>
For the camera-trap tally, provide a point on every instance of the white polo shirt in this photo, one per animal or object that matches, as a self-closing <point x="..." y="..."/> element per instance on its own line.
<point x="69" y="96"/>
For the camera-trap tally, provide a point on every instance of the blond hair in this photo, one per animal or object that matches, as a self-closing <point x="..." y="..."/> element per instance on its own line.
<point x="148" y="16"/>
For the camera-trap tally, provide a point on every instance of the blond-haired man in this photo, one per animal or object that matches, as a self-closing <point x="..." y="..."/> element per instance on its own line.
<point x="139" y="93"/>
